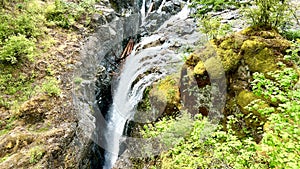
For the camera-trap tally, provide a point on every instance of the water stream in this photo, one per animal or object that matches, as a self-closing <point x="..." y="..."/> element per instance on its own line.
<point x="128" y="94"/>
<point x="144" y="66"/>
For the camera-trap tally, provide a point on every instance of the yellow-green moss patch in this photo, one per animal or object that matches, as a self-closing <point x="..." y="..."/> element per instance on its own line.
<point x="199" y="68"/>
<point x="244" y="98"/>
<point x="258" y="57"/>
<point x="167" y="89"/>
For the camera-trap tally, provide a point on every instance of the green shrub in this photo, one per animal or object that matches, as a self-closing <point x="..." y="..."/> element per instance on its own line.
<point x="51" y="86"/>
<point x="269" y="13"/>
<point x="17" y="48"/>
<point x="15" y="86"/>
<point x="212" y="5"/>
<point x="212" y="27"/>
<point x="23" y="23"/>
<point x="66" y="14"/>
<point x="274" y="89"/>
<point x="291" y="34"/>
<point x="293" y="53"/>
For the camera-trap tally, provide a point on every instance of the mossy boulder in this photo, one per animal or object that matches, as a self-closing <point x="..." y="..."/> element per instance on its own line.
<point x="235" y="42"/>
<point x="245" y="98"/>
<point x="165" y="95"/>
<point x="260" y="49"/>
<point x="192" y="59"/>
<point x="225" y="51"/>
<point x="214" y="68"/>
<point x="262" y="55"/>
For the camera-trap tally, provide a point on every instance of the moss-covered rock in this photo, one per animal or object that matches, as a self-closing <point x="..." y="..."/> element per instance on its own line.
<point x="192" y="59"/>
<point x="35" y="109"/>
<point x="262" y="55"/>
<point x="260" y="49"/>
<point x="165" y="95"/>
<point x="214" y="68"/>
<point x="227" y="55"/>
<point x="235" y="42"/>
<point x="244" y="98"/>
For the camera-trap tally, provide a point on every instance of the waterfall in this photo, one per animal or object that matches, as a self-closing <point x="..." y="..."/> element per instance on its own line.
<point x="144" y="66"/>
<point x="127" y="95"/>
<point x="143" y="11"/>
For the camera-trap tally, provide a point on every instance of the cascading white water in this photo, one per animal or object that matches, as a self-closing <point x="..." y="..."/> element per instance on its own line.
<point x="126" y="96"/>
<point x="131" y="85"/>
<point x="143" y="11"/>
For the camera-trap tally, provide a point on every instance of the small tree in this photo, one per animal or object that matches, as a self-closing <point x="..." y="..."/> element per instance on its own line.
<point x="269" y="13"/>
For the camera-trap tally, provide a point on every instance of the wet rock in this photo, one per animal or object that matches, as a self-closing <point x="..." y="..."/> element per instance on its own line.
<point x="169" y="7"/>
<point x="155" y="20"/>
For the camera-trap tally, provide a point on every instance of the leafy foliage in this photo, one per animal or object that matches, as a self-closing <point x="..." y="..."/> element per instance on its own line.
<point x="51" y="86"/>
<point x="213" y="27"/>
<point x="36" y="153"/>
<point x="276" y="89"/>
<point x="66" y="14"/>
<point x="16" y="48"/>
<point x="224" y="148"/>
<point x="15" y="86"/>
<point x="293" y="53"/>
<point x="18" y="30"/>
<point x="291" y="34"/>
<point x="206" y="6"/>
<point x="269" y="13"/>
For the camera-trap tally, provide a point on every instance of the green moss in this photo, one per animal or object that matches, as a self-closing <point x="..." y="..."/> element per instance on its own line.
<point x="4" y="158"/>
<point x="165" y="95"/>
<point x="168" y="89"/>
<point x="229" y="59"/>
<point x="36" y="153"/>
<point x="258" y="57"/>
<point x="259" y="31"/>
<point x="226" y="53"/>
<point x="4" y="131"/>
<point x="192" y="59"/>
<point x="199" y="68"/>
<point x="51" y="86"/>
<point x="234" y="41"/>
<point x="244" y="98"/>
